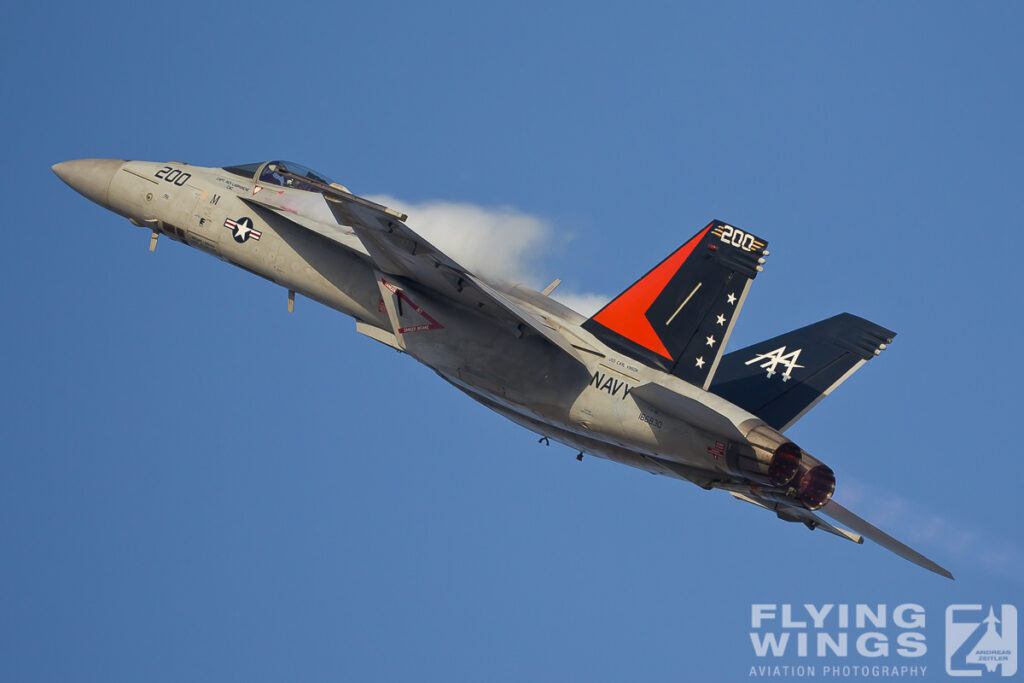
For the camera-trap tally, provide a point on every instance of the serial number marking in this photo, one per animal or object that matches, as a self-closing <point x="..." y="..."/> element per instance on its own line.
<point x="653" y="421"/>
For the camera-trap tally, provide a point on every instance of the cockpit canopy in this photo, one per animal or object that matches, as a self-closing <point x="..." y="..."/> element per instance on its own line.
<point x="281" y="173"/>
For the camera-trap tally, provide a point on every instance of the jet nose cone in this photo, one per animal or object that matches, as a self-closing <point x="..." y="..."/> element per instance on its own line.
<point x="89" y="177"/>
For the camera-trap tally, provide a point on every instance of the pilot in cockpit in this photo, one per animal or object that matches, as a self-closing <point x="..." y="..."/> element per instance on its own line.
<point x="271" y="176"/>
<point x="293" y="176"/>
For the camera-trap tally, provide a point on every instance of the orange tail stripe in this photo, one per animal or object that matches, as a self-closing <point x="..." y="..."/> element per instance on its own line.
<point x="627" y="314"/>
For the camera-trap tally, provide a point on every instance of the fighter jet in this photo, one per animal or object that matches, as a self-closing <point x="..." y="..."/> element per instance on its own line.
<point x="644" y="382"/>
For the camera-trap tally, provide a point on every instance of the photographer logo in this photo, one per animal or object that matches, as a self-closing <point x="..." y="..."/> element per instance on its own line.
<point x="981" y="640"/>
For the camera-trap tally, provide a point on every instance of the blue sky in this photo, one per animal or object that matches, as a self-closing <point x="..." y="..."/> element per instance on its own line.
<point x="198" y="486"/>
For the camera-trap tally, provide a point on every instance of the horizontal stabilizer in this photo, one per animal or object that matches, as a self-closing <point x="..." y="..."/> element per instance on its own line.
<point x="780" y="379"/>
<point x="795" y="514"/>
<point x="847" y="518"/>
<point x="859" y="529"/>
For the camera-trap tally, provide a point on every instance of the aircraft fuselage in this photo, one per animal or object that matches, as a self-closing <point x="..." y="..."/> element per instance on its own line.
<point x="590" y="407"/>
<point x="628" y="384"/>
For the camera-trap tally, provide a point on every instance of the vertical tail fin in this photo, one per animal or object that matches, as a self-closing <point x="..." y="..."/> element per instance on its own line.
<point x="679" y="316"/>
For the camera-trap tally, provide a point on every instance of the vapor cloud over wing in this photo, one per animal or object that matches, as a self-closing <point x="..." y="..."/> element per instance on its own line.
<point x="500" y="243"/>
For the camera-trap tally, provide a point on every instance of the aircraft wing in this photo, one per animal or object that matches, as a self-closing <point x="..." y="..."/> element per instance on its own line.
<point x="399" y="251"/>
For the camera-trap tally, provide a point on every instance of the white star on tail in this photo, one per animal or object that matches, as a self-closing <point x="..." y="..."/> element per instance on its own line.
<point x="720" y="320"/>
<point x="731" y="298"/>
<point x="700" y="361"/>
<point x="711" y="340"/>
